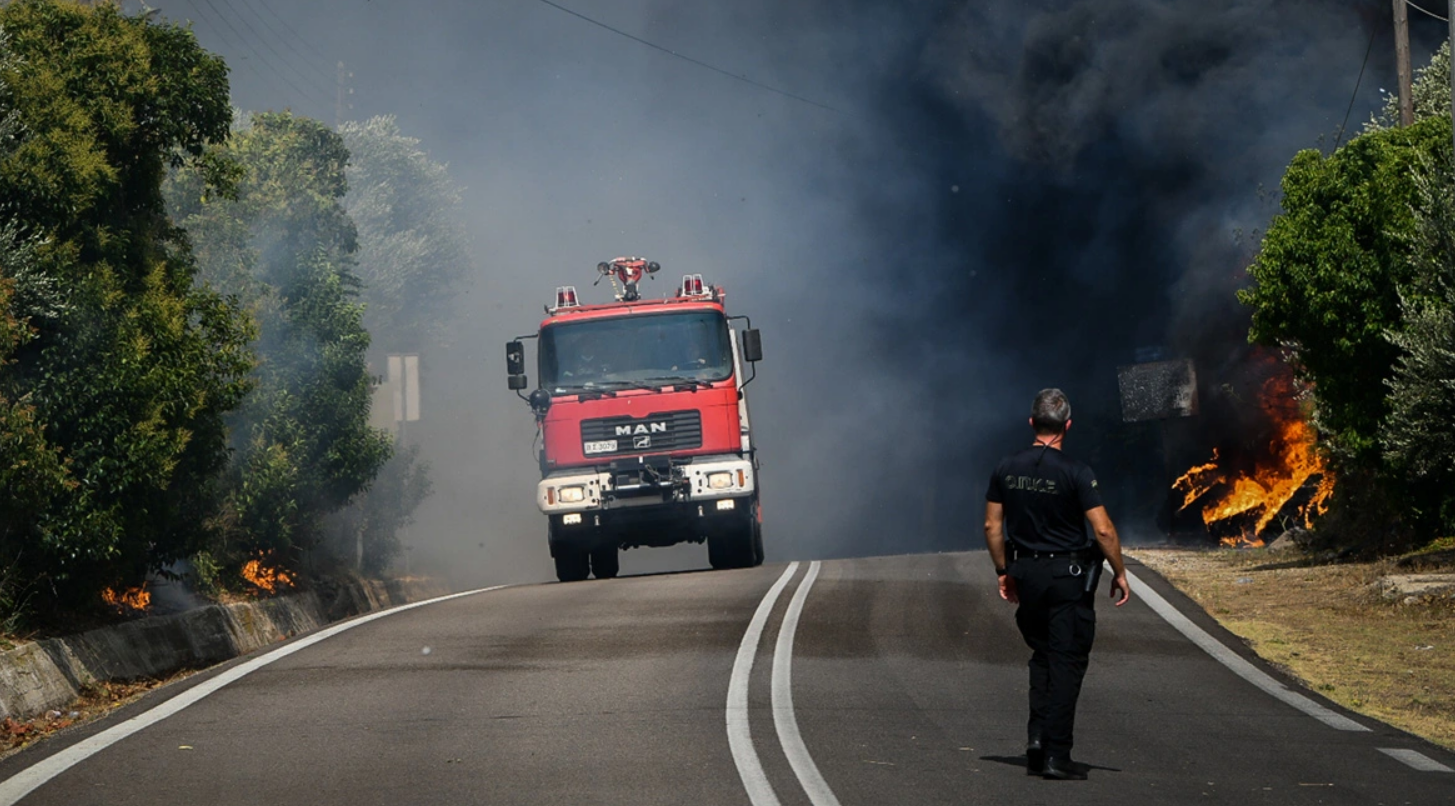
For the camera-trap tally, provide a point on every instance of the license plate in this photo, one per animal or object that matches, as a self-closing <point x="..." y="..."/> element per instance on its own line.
<point x="604" y="446"/>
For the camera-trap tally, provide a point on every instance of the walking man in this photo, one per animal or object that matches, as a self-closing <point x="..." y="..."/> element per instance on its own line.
<point x="1035" y="528"/>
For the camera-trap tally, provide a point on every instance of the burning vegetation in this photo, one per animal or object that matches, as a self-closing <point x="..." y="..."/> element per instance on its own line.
<point x="131" y="600"/>
<point x="1286" y="475"/>
<point x="265" y="577"/>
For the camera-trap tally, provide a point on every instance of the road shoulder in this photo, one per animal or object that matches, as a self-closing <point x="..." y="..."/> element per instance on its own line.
<point x="1324" y="629"/>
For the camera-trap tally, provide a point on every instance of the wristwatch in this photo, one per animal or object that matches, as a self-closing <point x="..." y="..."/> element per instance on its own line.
<point x="1000" y="571"/>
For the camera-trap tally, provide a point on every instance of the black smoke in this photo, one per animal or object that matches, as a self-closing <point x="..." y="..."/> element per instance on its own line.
<point x="1109" y="165"/>
<point x="1006" y="195"/>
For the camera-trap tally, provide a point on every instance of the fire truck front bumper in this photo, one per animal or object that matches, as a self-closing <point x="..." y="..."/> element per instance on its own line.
<point x="623" y="486"/>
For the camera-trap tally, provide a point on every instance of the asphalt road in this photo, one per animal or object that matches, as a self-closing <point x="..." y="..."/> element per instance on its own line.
<point x="879" y="681"/>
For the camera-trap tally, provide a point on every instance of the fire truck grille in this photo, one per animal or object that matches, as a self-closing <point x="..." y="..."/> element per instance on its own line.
<point x="654" y="433"/>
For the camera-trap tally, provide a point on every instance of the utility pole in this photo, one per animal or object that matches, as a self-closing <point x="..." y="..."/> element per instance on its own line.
<point x="1402" y="63"/>
<point x="341" y="104"/>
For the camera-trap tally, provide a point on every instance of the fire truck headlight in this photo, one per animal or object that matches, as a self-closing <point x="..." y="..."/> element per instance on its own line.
<point x="571" y="495"/>
<point x="719" y="481"/>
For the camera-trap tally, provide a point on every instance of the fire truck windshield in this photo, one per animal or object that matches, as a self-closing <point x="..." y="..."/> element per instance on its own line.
<point x="635" y="351"/>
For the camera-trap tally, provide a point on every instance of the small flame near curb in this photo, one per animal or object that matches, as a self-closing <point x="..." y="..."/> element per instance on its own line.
<point x="265" y="577"/>
<point x="131" y="600"/>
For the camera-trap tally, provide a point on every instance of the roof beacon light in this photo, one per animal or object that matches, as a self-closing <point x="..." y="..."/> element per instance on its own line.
<point x="566" y="297"/>
<point x="692" y="286"/>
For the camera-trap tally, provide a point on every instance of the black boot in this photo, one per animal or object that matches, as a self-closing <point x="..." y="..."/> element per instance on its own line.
<point x="1063" y="769"/>
<point x="1035" y="757"/>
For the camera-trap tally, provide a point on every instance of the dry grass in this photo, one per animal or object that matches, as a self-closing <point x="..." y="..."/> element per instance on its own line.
<point x="96" y="700"/>
<point x="1327" y="626"/>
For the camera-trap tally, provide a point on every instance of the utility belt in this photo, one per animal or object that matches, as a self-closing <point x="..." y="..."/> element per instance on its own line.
<point x="1086" y="555"/>
<point x="1084" y="562"/>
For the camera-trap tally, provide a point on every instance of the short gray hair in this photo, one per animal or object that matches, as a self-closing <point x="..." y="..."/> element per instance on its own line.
<point x="1050" y="412"/>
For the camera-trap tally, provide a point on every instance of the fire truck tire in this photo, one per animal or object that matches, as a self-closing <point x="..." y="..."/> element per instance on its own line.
<point x="605" y="562"/>
<point x="757" y="543"/>
<point x="572" y="566"/>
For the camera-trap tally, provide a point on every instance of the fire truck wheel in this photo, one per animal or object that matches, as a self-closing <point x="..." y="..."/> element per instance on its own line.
<point x="757" y="543"/>
<point x="605" y="562"/>
<point x="572" y="566"/>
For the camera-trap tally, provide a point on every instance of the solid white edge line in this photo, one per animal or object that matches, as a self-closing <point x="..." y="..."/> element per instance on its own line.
<point x="1414" y="758"/>
<point x="27" y="780"/>
<point x="740" y="740"/>
<point x="784" y="719"/>
<point x="1236" y="663"/>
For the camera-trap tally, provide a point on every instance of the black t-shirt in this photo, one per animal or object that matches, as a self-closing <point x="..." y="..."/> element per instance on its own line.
<point x="1046" y="495"/>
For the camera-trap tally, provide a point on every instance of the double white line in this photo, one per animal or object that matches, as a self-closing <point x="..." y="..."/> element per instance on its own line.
<point x="740" y="739"/>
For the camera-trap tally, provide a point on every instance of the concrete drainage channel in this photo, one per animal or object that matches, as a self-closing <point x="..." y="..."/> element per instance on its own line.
<point x="43" y="675"/>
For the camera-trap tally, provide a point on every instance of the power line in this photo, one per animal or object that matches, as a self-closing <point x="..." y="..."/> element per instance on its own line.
<point x="267" y="43"/>
<point x="216" y="29"/>
<point x="1373" y="31"/>
<point x="323" y="74"/>
<point x="249" y="47"/>
<point x="317" y="56"/>
<point x="1425" y="11"/>
<point x="685" y="58"/>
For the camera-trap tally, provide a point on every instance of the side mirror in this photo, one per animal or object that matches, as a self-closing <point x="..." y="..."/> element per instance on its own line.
<point x="515" y="358"/>
<point x="515" y="365"/>
<point x="752" y="346"/>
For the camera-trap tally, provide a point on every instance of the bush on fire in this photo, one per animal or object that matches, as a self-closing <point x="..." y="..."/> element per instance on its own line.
<point x="1356" y="279"/>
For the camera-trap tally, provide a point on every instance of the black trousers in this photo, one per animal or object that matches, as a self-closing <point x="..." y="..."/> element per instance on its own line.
<point x="1057" y="618"/>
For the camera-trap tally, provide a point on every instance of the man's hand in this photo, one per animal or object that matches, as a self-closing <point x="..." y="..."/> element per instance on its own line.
<point x="1118" y="586"/>
<point x="1007" y="589"/>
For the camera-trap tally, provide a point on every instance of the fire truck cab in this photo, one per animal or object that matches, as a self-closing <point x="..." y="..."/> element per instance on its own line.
<point x="643" y="427"/>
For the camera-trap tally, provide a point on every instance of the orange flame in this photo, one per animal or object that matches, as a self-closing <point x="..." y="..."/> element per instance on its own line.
<point x="135" y="600"/>
<point x="1289" y="463"/>
<point x="264" y="577"/>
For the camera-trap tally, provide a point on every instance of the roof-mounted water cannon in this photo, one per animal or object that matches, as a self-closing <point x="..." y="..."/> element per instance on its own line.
<point x="628" y="271"/>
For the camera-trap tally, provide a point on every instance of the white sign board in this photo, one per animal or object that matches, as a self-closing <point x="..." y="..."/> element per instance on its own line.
<point x="396" y="397"/>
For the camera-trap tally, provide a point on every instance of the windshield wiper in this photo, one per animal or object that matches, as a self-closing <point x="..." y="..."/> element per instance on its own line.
<point x="692" y="384"/>
<point x="585" y="392"/>
<point x="631" y="385"/>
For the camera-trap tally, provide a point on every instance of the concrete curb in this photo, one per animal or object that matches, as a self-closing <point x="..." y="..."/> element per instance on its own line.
<point x="43" y="675"/>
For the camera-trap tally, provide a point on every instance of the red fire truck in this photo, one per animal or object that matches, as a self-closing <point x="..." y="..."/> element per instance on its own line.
<point x="644" y="437"/>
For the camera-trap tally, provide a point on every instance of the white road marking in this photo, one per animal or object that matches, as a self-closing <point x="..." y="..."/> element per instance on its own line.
<point x="27" y="780"/>
<point x="1415" y="759"/>
<point x="1237" y="664"/>
<point x="784" y="719"/>
<point x="740" y="740"/>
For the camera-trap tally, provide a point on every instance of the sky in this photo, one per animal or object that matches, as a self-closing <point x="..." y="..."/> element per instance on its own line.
<point x="932" y="210"/>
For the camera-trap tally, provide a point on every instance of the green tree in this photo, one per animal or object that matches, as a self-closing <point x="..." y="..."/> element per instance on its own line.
<point x="1418" y="436"/>
<point x="1430" y="92"/>
<point x="379" y="516"/>
<point x="412" y="257"/>
<point x="126" y="365"/>
<point x="33" y="477"/>
<point x="283" y="243"/>
<point x="1331" y="269"/>
<point x="413" y="252"/>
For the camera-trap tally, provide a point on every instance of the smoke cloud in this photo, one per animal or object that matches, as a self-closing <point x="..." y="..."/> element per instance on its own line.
<point x="1004" y="196"/>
